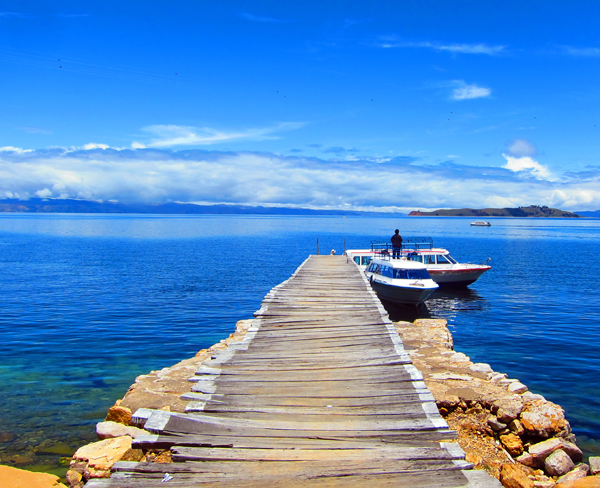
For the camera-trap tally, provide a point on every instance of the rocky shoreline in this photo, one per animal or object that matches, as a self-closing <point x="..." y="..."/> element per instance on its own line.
<point x="515" y="435"/>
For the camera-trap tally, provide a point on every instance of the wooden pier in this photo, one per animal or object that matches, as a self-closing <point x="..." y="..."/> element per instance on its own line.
<point x="319" y="393"/>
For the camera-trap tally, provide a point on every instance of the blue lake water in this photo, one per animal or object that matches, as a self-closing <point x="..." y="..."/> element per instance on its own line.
<point x="89" y="302"/>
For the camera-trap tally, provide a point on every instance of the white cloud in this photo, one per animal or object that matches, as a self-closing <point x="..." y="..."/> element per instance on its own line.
<point x="176" y="135"/>
<point x="14" y="149"/>
<point x="467" y="92"/>
<point x="94" y="145"/>
<point x="158" y="175"/>
<point x="521" y="148"/>
<point x="527" y="165"/>
<point x="480" y="48"/>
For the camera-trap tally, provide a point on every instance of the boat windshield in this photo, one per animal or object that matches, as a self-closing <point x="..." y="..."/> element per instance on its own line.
<point x="411" y="274"/>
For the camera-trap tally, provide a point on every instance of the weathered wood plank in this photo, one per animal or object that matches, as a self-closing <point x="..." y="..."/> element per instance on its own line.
<point x="320" y="394"/>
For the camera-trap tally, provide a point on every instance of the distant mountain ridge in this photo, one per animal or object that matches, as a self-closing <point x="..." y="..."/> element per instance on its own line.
<point x="589" y="213"/>
<point x="531" y="211"/>
<point x="40" y="205"/>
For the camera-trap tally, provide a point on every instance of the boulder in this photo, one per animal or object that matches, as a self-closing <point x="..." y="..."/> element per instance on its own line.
<point x="542" y="419"/>
<point x="511" y="476"/>
<point x="508" y="409"/>
<point x="517" y="387"/>
<point x="513" y="444"/>
<point x="19" y="478"/>
<point x="542" y="450"/>
<point x="99" y="457"/>
<point x="594" y="465"/>
<point x="558" y="463"/>
<point x="579" y="471"/>
<point x="121" y="415"/>
<point x="516" y="427"/>
<point x="495" y="424"/>
<point x="527" y="460"/>
<point x="109" y="430"/>
<point x="481" y="368"/>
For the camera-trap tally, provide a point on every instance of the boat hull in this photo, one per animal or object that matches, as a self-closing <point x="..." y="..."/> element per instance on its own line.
<point x="457" y="277"/>
<point x="400" y="294"/>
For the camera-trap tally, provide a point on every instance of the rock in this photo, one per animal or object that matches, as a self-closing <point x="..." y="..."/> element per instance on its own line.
<point x="558" y="463"/>
<point x="508" y="409"/>
<point x="529" y="397"/>
<point x="74" y="479"/>
<point x="481" y="368"/>
<point x="511" y="476"/>
<point x="449" y="402"/>
<point x="517" y="387"/>
<point x="572" y="450"/>
<point x="542" y="450"/>
<point x="495" y="424"/>
<point x="542" y="419"/>
<point x="526" y="459"/>
<point x="101" y="455"/>
<point x="7" y="437"/>
<point x="496" y="377"/>
<point x="588" y="482"/>
<point x="109" y="430"/>
<point x="121" y="415"/>
<point x="516" y="427"/>
<point x="579" y="471"/>
<point x="594" y="465"/>
<point x="513" y="444"/>
<point x="19" y="478"/>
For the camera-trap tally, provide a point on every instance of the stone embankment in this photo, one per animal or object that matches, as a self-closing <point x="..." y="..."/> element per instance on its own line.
<point x="517" y="436"/>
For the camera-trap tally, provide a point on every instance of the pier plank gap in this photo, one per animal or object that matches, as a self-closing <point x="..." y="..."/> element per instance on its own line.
<point x="320" y="392"/>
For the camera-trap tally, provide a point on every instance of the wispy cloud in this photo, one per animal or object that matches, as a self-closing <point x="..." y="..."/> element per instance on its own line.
<point x="160" y="175"/>
<point x="35" y="130"/>
<point x="13" y="15"/>
<point x="468" y="92"/>
<point x="583" y="52"/>
<point x="72" y="16"/>
<point x="260" y="18"/>
<point x="176" y="135"/>
<point x="394" y="42"/>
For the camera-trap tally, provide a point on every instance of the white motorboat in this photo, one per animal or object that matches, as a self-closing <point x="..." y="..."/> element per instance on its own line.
<point x="481" y="223"/>
<point x="400" y="281"/>
<point x="443" y="268"/>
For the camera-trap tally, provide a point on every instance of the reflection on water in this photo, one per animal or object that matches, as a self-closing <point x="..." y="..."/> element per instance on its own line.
<point x="444" y="303"/>
<point x="406" y="313"/>
<point x="447" y="303"/>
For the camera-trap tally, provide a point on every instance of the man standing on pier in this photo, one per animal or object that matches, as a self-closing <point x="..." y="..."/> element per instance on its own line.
<point x="396" y="244"/>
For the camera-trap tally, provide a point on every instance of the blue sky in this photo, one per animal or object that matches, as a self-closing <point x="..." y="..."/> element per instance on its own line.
<point x="389" y="105"/>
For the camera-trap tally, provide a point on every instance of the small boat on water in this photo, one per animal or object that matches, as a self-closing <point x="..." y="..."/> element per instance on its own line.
<point x="400" y="281"/>
<point x="443" y="268"/>
<point x="481" y="223"/>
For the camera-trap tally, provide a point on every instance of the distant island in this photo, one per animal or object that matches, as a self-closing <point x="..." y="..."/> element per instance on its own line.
<point x="43" y="205"/>
<point x="531" y="211"/>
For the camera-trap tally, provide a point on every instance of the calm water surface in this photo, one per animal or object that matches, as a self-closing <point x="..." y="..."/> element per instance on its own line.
<point x="89" y="302"/>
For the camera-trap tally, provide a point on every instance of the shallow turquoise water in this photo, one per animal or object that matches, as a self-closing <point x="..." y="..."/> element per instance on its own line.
<point x="89" y="302"/>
